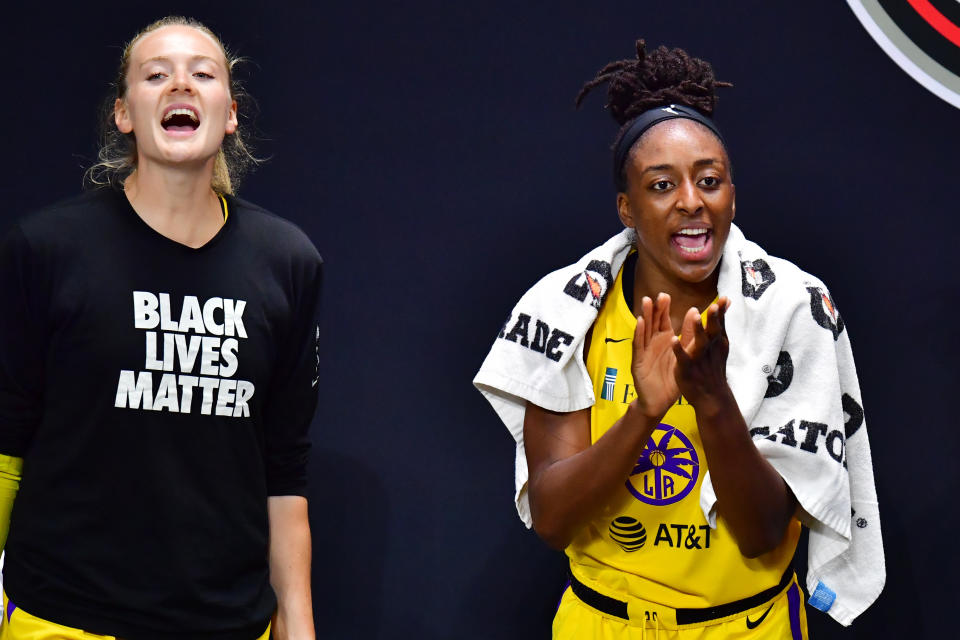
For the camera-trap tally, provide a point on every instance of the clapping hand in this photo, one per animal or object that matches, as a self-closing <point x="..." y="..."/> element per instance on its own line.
<point x="701" y="357"/>
<point x="654" y="360"/>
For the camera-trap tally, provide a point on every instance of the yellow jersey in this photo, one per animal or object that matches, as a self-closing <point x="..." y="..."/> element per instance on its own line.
<point x="651" y="540"/>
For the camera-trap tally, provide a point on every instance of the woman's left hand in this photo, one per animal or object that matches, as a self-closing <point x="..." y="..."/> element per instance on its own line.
<point x="701" y="370"/>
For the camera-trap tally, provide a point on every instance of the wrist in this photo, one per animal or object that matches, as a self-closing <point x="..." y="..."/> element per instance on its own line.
<point x="292" y="627"/>
<point x="714" y="405"/>
<point x="637" y="413"/>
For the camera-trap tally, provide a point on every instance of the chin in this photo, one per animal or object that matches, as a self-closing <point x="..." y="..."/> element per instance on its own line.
<point x="187" y="156"/>
<point x="698" y="275"/>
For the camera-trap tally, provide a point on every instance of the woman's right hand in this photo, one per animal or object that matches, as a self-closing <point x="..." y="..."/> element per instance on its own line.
<point x="654" y="361"/>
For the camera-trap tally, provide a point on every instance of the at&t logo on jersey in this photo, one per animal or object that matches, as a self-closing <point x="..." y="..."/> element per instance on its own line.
<point x="628" y="533"/>
<point x="667" y="470"/>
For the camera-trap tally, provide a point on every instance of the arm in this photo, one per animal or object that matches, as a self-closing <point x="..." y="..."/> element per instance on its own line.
<point x="570" y="479"/>
<point x="21" y="371"/>
<point x="751" y="496"/>
<point x="10" y="470"/>
<point x="290" y="567"/>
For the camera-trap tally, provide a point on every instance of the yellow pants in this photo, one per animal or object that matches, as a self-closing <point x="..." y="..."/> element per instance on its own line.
<point x="20" y="625"/>
<point x="781" y="617"/>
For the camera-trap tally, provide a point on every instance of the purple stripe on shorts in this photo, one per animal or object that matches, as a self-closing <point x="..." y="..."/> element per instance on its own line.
<point x="793" y="605"/>
<point x="10" y="608"/>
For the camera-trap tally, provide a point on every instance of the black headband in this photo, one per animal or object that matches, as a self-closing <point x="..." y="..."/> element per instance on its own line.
<point x="643" y="122"/>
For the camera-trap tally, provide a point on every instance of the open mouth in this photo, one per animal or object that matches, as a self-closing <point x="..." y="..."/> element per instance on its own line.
<point x="692" y="242"/>
<point x="181" y="119"/>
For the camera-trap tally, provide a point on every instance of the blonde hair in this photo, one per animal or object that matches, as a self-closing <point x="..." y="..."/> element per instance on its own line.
<point x="117" y="156"/>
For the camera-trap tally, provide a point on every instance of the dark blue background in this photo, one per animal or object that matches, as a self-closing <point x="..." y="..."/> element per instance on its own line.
<point x="432" y="152"/>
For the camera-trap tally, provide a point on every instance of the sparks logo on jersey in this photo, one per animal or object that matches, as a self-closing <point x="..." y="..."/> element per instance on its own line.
<point x="781" y="376"/>
<point x="628" y="533"/>
<point x="609" y="383"/>
<point x="205" y="340"/>
<point x="590" y="284"/>
<point x="756" y="277"/>
<point x="825" y="312"/>
<point x="921" y="36"/>
<point x="667" y="470"/>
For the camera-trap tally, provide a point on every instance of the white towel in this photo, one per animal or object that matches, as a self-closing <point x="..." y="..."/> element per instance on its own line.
<point x="791" y="371"/>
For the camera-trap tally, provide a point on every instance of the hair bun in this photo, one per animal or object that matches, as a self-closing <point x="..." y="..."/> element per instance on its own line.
<point x="655" y="79"/>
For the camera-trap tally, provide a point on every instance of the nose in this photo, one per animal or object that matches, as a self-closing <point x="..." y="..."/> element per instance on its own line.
<point x="182" y="81"/>
<point x="689" y="200"/>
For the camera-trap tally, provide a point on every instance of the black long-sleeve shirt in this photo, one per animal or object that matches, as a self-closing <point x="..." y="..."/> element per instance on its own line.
<point x="158" y="394"/>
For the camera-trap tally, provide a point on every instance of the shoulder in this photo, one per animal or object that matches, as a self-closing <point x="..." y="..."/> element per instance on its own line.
<point x="67" y="224"/>
<point x="760" y="272"/>
<point x="774" y="287"/>
<point x="810" y="298"/>
<point x="275" y="235"/>
<point x="70" y="214"/>
<point x="793" y="275"/>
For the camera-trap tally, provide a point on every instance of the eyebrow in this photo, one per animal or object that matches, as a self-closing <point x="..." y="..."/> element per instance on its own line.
<point x="666" y="167"/>
<point x="167" y="59"/>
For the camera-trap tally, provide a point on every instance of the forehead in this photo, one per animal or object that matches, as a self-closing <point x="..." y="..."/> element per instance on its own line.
<point x="176" y="41"/>
<point x="672" y="140"/>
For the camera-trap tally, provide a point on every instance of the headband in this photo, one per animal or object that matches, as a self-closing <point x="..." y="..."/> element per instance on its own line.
<point x="643" y="122"/>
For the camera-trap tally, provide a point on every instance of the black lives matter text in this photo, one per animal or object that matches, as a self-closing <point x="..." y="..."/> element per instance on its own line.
<point x="191" y="357"/>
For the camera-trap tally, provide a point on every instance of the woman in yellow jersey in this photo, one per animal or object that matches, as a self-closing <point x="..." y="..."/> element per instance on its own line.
<point x="677" y="193"/>
<point x="158" y="373"/>
<point x="621" y="485"/>
<point x="680" y="417"/>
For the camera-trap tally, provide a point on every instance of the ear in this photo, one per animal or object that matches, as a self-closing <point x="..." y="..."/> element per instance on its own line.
<point x="121" y="116"/>
<point x="733" y="206"/>
<point x="624" y="211"/>
<point x="232" y="123"/>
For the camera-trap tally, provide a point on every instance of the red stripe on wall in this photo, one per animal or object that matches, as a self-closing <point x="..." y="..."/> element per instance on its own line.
<point x="937" y="20"/>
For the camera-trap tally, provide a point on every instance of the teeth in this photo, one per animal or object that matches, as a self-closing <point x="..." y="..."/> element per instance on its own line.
<point x="691" y="249"/>
<point x="181" y="112"/>
<point x="692" y="232"/>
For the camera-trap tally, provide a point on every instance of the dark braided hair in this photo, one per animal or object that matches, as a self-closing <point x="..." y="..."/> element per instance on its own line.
<point x="656" y="79"/>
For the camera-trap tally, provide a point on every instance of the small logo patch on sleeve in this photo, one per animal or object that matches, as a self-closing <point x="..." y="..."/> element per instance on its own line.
<point x="756" y="276"/>
<point x="825" y="311"/>
<point x="822" y="597"/>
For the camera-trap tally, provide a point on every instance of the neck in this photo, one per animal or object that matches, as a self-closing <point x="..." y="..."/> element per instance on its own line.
<point x="176" y="202"/>
<point x="683" y="295"/>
